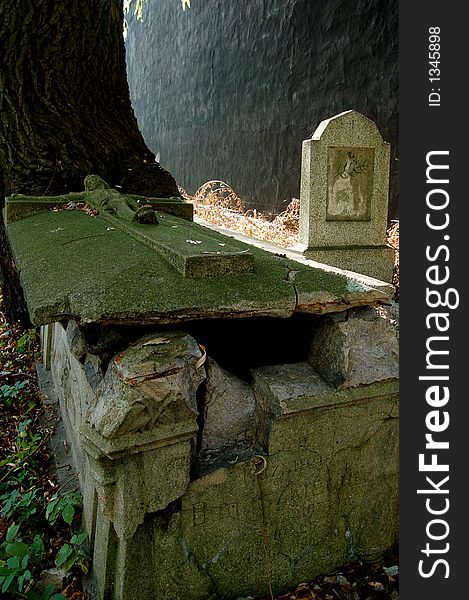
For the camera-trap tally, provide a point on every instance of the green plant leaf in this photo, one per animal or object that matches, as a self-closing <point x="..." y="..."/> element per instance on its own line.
<point x="11" y="533"/>
<point x="67" y="513"/>
<point x="63" y="554"/>
<point x="71" y="560"/>
<point x="6" y="583"/>
<point x="26" y="576"/>
<point x="8" y="501"/>
<point x="50" y="508"/>
<point x="37" y="547"/>
<point x="13" y="562"/>
<point x="19" y="549"/>
<point x="77" y="540"/>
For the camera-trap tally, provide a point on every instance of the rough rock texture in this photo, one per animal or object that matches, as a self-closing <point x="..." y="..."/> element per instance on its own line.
<point x="355" y="348"/>
<point x="229" y="90"/>
<point x="228" y="409"/>
<point x="152" y="384"/>
<point x="319" y="489"/>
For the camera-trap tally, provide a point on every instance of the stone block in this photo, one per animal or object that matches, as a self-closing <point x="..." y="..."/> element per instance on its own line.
<point x="376" y="262"/>
<point x="95" y="273"/>
<point x="228" y="409"/>
<point x="334" y="453"/>
<point x="324" y="493"/>
<point x="72" y="386"/>
<point x="140" y="428"/>
<point x="320" y="489"/>
<point x="151" y="384"/>
<point x="356" y="348"/>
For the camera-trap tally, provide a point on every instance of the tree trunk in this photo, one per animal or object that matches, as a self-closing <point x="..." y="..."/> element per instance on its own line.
<point x="65" y="108"/>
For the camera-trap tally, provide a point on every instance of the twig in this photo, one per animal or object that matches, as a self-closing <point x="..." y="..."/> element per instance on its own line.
<point x="11" y="374"/>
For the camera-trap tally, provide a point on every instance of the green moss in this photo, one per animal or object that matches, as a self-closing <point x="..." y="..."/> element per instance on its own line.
<point x="72" y="263"/>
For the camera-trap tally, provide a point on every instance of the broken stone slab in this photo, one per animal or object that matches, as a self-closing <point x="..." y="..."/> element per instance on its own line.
<point x="323" y="488"/>
<point x="228" y="409"/>
<point x="307" y="300"/>
<point x="140" y="428"/>
<point x="327" y="485"/>
<point x="151" y="384"/>
<point x="356" y="347"/>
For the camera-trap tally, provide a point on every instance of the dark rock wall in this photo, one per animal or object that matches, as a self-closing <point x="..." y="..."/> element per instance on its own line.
<point x="228" y="90"/>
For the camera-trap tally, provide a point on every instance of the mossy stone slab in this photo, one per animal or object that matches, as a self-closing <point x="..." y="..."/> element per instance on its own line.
<point x="72" y="265"/>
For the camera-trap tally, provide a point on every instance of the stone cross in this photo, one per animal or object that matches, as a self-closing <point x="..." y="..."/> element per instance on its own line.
<point x="344" y="196"/>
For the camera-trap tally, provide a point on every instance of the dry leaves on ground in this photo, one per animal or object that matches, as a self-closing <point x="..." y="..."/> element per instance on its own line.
<point x="216" y="202"/>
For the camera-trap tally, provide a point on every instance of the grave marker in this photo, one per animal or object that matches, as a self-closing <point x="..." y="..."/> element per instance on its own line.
<point x="344" y="196"/>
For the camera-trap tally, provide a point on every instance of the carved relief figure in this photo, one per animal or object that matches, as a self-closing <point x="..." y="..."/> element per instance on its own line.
<point x="350" y="177"/>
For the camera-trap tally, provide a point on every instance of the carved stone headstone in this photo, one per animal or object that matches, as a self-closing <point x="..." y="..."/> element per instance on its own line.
<point x="344" y="196"/>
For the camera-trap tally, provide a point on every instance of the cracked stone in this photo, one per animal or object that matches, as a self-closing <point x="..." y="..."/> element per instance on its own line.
<point x="152" y="383"/>
<point x="357" y="348"/>
<point x="228" y="408"/>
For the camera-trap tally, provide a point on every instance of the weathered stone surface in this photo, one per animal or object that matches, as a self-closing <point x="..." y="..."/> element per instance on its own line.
<point x="309" y="298"/>
<point x="344" y="196"/>
<point x="55" y="577"/>
<point x="151" y="384"/>
<point x="326" y="493"/>
<point x="97" y="273"/>
<point x="93" y="370"/>
<point x="347" y="443"/>
<point x="194" y="256"/>
<point x="322" y="490"/>
<point x="70" y="381"/>
<point x="374" y="262"/>
<point x="76" y="340"/>
<point x="356" y="348"/>
<point x="140" y="428"/>
<point x="228" y="409"/>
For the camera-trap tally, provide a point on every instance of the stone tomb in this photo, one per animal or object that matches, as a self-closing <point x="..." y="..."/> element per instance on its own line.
<point x="304" y="479"/>
<point x="202" y="480"/>
<point x="344" y="196"/>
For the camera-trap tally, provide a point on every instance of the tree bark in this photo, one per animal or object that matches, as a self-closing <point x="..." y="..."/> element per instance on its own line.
<point x="65" y="108"/>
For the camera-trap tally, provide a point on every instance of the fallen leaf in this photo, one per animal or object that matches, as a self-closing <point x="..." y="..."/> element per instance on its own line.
<point x="377" y="585"/>
<point x="202" y="359"/>
<point x="157" y="341"/>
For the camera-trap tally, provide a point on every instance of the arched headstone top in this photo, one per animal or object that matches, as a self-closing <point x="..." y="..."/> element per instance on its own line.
<point x="348" y="125"/>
